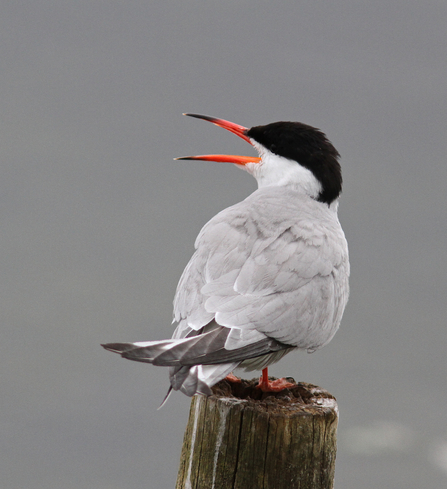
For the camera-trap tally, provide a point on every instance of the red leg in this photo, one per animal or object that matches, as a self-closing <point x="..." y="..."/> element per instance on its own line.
<point x="264" y="380"/>
<point x="275" y="386"/>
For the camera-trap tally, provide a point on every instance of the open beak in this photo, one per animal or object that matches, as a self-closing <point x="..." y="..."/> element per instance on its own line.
<point x="240" y="131"/>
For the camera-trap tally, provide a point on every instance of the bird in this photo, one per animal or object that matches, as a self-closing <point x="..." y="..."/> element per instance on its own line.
<point x="269" y="275"/>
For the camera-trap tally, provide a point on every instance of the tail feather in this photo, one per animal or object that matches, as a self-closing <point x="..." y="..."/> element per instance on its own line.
<point x="197" y="362"/>
<point x="194" y="350"/>
<point x="145" y="352"/>
<point x="200" y="378"/>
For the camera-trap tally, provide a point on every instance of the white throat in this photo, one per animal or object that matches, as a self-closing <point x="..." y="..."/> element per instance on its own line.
<point x="274" y="170"/>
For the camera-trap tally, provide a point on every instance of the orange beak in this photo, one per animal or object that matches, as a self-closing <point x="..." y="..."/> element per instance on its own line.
<point x="240" y="131"/>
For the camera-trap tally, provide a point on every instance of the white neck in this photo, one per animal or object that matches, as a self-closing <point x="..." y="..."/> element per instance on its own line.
<point x="274" y="170"/>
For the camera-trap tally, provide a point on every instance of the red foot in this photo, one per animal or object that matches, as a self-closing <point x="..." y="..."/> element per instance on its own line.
<point x="272" y="386"/>
<point x="233" y="378"/>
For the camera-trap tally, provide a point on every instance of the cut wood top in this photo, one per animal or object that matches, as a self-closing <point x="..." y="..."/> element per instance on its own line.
<point x="302" y="399"/>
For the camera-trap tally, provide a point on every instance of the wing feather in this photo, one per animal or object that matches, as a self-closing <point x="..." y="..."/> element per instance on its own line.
<point x="274" y="265"/>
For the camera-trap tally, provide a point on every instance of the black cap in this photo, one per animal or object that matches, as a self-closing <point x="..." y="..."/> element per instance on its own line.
<point x="309" y="147"/>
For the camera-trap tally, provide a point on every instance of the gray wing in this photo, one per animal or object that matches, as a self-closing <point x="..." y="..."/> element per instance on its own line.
<point x="275" y="265"/>
<point x="269" y="274"/>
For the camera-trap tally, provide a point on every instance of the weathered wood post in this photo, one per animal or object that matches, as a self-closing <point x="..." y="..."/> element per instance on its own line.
<point x="241" y="438"/>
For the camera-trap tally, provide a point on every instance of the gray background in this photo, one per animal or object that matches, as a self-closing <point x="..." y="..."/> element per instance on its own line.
<point x="98" y="221"/>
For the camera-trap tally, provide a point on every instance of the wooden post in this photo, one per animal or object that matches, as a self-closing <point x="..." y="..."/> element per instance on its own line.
<point x="241" y="438"/>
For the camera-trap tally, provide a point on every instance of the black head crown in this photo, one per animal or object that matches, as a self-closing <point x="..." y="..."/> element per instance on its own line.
<point x="309" y="147"/>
